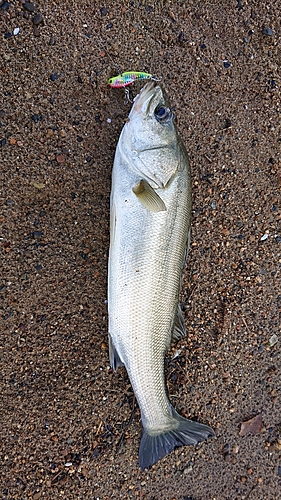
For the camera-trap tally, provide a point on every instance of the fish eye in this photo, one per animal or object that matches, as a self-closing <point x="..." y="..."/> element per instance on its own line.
<point x="162" y="113"/>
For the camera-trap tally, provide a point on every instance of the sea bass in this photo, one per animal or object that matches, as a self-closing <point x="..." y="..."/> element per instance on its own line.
<point x="149" y="228"/>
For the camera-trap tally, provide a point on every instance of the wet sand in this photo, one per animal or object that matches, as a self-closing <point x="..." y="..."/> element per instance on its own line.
<point x="69" y="426"/>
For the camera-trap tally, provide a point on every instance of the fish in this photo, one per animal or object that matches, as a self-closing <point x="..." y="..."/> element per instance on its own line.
<point x="150" y="210"/>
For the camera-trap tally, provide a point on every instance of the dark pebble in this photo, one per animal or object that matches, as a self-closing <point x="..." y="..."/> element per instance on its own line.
<point x="38" y="18"/>
<point x="29" y="6"/>
<point x="3" y="142"/>
<point x="203" y="46"/>
<point x="54" y="77"/>
<point x="36" y="31"/>
<point x="52" y="41"/>
<point x="277" y="239"/>
<point x="108" y="26"/>
<point x="226" y="64"/>
<point x="79" y="139"/>
<point x="267" y="31"/>
<point x="79" y="79"/>
<point x="37" y="234"/>
<point x="83" y="255"/>
<point x="181" y="36"/>
<point x="38" y="267"/>
<point x="35" y="118"/>
<point x="103" y="11"/>
<point x="260" y="348"/>
<point x="8" y="35"/>
<point x="89" y="159"/>
<point x="2" y="113"/>
<point x="279" y="470"/>
<point x="5" y="5"/>
<point x="227" y="123"/>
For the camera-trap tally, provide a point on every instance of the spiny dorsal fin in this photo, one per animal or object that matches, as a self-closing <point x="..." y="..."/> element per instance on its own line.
<point x="148" y="196"/>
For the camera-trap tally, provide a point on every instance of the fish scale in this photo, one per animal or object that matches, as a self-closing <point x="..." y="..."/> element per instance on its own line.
<point x="150" y="219"/>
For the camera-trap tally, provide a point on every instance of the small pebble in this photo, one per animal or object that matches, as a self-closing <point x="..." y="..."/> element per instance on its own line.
<point x="8" y="35"/>
<point x="38" y="18"/>
<point x="52" y="41"/>
<point x="54" y="77"/>
<point x="35" y="118"/>
<point x="29" y="6"/>
<point x="5" y="6"/>
<point x="103" y="11"/>
<point x="267" y="31"/>
<point x="273" y="340"/>
<point x="60" y="158"/>
<point x="36" y="31"/>
<point x="16" y="31"/>
<point x="226" y="64"/>
<point x="181" y="37"/>
<point x="264" y="237"/>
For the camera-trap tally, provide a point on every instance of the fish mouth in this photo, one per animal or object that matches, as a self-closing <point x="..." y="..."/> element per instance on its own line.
<point x="143" y="99"/>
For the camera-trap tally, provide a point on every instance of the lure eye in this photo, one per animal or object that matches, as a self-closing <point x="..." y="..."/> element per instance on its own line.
<point x="162" y="114"/>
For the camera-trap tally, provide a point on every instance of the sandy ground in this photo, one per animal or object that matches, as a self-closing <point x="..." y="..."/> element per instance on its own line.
<point x="69" y="426"/>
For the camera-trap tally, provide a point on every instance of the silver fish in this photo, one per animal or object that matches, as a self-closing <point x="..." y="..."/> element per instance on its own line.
<point x="149" y="228"/>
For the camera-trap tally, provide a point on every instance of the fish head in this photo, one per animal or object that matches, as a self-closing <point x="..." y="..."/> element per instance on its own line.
<point x="150" y="140"/>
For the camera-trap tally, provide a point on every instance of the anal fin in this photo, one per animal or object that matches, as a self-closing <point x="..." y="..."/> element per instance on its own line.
<point x="114" y="357"/>
<point x="179" y="329"/>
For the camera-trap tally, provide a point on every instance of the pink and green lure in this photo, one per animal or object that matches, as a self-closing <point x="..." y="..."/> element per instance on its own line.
<point x="127" y="78"/>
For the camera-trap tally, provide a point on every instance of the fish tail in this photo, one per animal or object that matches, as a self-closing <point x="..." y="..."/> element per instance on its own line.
<point x="154" y="446"/>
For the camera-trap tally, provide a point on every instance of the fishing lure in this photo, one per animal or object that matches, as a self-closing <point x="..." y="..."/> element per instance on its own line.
<point x="127" y="78"/>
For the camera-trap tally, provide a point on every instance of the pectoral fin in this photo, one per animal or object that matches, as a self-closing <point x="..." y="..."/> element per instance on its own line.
<point x="148" y="196"/>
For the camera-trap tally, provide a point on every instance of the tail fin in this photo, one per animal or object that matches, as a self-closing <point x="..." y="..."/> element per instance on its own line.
<point x="153" y="447"/>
